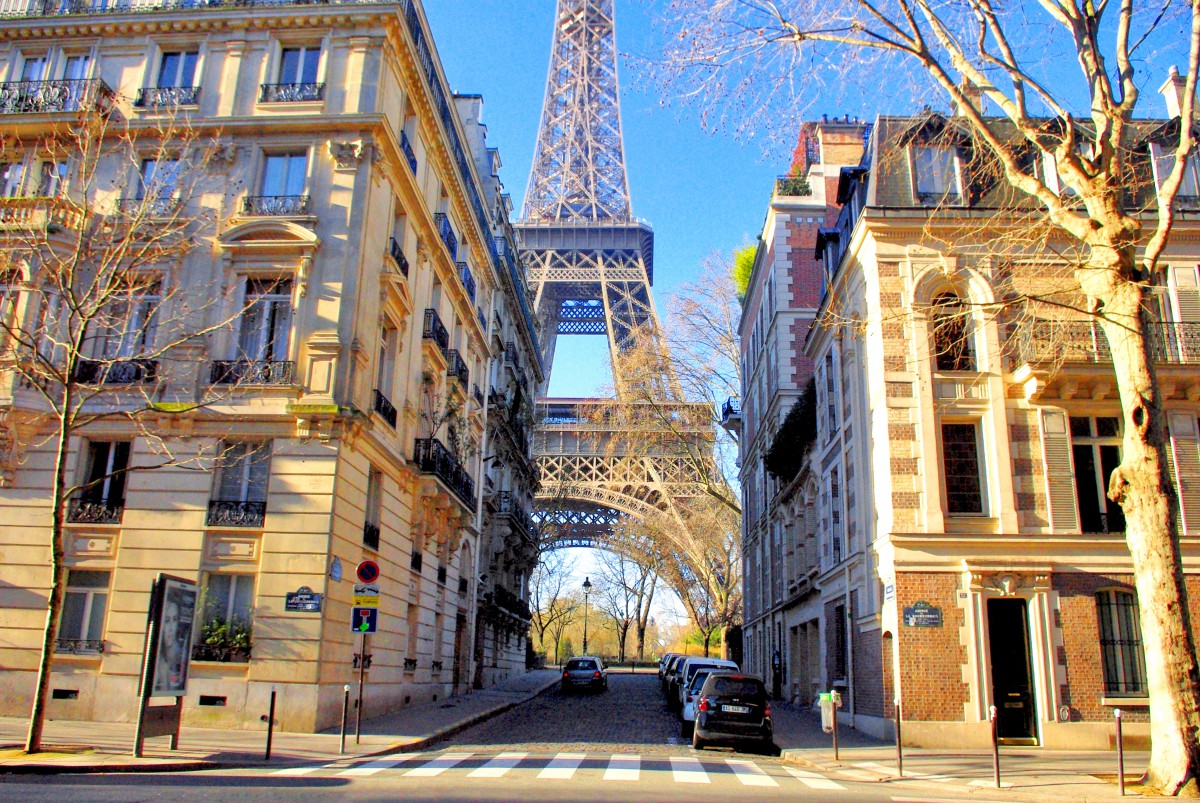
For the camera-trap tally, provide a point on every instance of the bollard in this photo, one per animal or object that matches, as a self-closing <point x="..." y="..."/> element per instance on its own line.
<point x="899" y="743"/>
<point x="270" y="725"/>
<point x="345" y="715"/>
<point x="1120" y="753"/>
<point x="837" y="698"/>
<point x="995" y="746"/>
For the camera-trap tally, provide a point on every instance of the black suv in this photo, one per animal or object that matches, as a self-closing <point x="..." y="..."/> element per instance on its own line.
<point x="733" y="707"/>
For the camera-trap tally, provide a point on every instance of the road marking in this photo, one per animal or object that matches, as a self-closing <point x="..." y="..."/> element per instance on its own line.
<point x="562" y="767"/>
<point x="623" y="768"/>
<point x="749" y="773"/>
<point x="498" y="766"/>
<point x="295" y="771"/>
<point x="438" y="765"/>
<point x="812" y="780"/>
<point x="688" y="770"/>
<point x="372" y="767"/>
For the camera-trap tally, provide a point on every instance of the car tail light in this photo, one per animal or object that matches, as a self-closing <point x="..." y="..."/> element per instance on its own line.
<point x="703" y="704"/>
<point x="767" y="710"/>
<point x="596" y="674"/>
<point x="566" y="674"/>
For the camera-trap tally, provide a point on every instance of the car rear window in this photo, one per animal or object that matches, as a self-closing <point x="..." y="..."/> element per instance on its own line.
<point x="694" y="668"/>
<point x="742" y="687"/>
<point x="577" y="663"/>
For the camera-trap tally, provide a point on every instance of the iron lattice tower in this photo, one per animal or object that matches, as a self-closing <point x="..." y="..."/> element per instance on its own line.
<point x="591" y="264"/>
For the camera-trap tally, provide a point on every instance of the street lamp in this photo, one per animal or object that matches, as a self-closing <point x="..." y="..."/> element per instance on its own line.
<point x="587" y="587"/>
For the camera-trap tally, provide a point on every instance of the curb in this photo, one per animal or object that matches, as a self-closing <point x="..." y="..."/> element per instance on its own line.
<point x="86" y="769"/>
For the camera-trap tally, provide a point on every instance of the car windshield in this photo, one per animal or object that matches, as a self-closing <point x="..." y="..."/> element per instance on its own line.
<point x="740" y="687"/>
<point x="578" y="663"/>
<point x="692" y="670"/>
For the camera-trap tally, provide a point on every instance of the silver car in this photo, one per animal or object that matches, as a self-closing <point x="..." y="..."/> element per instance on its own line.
<point x="585" y="672"/>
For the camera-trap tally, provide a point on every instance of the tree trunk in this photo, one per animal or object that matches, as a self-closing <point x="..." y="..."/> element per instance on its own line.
<point x="1146" y="496"/>
<point x="641" y="641"/>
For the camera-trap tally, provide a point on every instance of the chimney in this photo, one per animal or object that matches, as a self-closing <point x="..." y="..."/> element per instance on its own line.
<point x="1172" y="91"/>
<point x="974" y="97"/>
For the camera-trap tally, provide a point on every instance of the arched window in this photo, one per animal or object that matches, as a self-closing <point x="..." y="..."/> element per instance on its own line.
<point x="951" y="336"/>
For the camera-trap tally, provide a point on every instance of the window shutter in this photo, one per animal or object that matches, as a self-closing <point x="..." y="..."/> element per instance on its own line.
<point x="1060" y="472"/>
<point x="1186" y="288"/>
<point x="1185" y="453"/>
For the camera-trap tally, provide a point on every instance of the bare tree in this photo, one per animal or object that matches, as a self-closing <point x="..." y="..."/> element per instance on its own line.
<point x="747" y="54"/>
<point x="624" y="592"/>
<point x="98" y="322"/>
<point x="552" y="607"/>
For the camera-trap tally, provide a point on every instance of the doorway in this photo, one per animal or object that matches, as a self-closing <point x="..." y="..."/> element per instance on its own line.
<point x="1012" y="680"/>
<point x="460" y="650"/>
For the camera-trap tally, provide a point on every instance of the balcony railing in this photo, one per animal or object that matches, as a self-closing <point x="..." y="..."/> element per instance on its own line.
<point x="39" y="211"/>
<point x="223" y="513"/>
<point x="406" y="148"/>
<point x="47" y="97"/>
<point x="435" y="331"/>
<point x="386" y="410"/>
<point x="78" y="646"/>
<point x="151" y="206"/>
<point x="153" y="97"/>
<point x="397" y="255"/>
<point x="446" y="232"/>
<point x="116" y="372"/>
<point x="731" y="413"/>
<point x="511" y="602"/>
<point x="1084" y="342"/>
<point x="468" y="281"/>
<point x="95" y="511"/>
<point x="432" y="457"/>
<point x="477" y="395"/>
<point x="252" y="372"/>
<point x="371" y="535"/>
<point x="518" y="517"/>
<point x="276" y="205"/>
<point x="458" y="369"/>
<point x="291" y="93"/>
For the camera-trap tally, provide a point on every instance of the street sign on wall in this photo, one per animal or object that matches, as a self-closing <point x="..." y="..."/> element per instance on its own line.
<point x="366" y="595"/>
<point x="367" y="571"/>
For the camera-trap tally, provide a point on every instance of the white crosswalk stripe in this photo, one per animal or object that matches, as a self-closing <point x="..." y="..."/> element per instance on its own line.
<point x="749" y="773"/>
<point x="498" y="766"/>
<point x="438" y="765"/>
<point x="812" y="780"/>
<point x="372" y="767"/>
<point x="688" y="770"/>
<point x="297" y="771"/>
<point x="623" y="768"/>
<point x="562" y="767"/>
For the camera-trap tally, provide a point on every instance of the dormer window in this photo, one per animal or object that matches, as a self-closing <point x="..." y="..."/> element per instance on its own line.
<point x="935" y="174"/>
<point x="951" y="340"/>
<point x="1164" y="163"/>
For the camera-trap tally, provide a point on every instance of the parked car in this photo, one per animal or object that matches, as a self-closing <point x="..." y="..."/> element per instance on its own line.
<point x="688" y="669"/>
<point x="687" y="714"/>
<point x="662" y="665"/>
<point x="585" y="672"/>
<point x="669" y="675"/>
<point x="733" y="707"/>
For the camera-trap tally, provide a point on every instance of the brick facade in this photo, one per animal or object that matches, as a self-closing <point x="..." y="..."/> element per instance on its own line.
<point x="932" y="658"/>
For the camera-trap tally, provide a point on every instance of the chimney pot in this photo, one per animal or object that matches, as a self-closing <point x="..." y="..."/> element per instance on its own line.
<point x="1172" y="91"/>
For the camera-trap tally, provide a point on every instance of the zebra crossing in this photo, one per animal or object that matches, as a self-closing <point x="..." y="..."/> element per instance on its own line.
<point x="617" y="768"/>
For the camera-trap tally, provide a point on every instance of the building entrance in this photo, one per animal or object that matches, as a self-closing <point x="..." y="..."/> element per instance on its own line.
<point x="1012" y="680"/>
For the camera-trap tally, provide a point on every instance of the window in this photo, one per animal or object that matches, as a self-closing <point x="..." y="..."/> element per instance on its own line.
<point x="1121" y="644"/>
<point x="158" y="179"/>
<point x="75" y="67"/>
<point x="960" y="464"/>
<point x="952" y="347"/>
<point x="284" y="174"/>
<point x="104" y="478"/>
<point x="47" y="327"/>
<point x="10" y="289"/>
<point x="935" y="174"/>
<point x="1096" y="448"/>
<point x="1164" y="163"/>
<point x="126" y="327"/>
<point x="387" y="359"/>
<point x="33" y="68"/>
<point x="266" y="320"/>
<point x="81" y="626"/>
<point x="51" y="178"/>
<point x="228" y="608"/>
<point x="374" y="508"/>
<point x="841" y="643"/>
<point x="178" y="69"/>
<point x="298" y="65"/>
<point x="243" y="472"/>
<point x="10" y="179"/>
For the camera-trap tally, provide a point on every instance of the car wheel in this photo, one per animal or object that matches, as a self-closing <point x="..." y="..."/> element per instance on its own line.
<point x="697" y="742"/>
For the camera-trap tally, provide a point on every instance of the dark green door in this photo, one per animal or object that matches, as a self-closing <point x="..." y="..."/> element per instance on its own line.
<point x="1012" y="681"/>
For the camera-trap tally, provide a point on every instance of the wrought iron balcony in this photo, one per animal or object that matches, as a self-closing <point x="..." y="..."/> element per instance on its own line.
<point x="151" y="206"/>
<point x="227" y="513"/>
<point x="291" y="93"/>
<point x="154" y="97"/>
<point x="371" y="535"/>
<point x="436" y="666"/>
<point x="441" y="575"/>
<point x="477" y="395"/>
<point x="48" y="97"/>
<point x="407" y="149"/>
<point x="416" y="560"/>
<point x="397" y="255"/>
<point x="468" y="281"/>
<point x="432" y="457"/>
<point x="116" y="372"/>
<point x="39" y="212"/>
<point x="518" y="517"/>
<point x="78" y="646"/>
<point x="458" y="369"/>
<point x="410" y="664"/>
<point x="510" y="602"/>
<point x="434" y="330"/>
<point x="252" y="372"/>
<point x="276" y="205"/>
<point x="1084" y="342"/>
<point x="95" y="511"/>
<point x="796" y="186"/>
<point x="731" y="413"/>
<point x="384" y="407"/>
<point x="446" y="232"/>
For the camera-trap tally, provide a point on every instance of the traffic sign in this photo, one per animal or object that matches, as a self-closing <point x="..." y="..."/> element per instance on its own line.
<point x="366" y="595"/>
<point x="364" y="620"/>
<point x="367" y="571"/>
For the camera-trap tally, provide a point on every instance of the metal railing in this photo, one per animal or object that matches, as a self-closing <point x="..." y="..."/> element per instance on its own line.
<point x="47" y="97"/>
<point x="518" y="517"/>
<point x="384" y="407"/>
<point x="275" y="205"/>
<point x="371" y="535"/>
<point x="446" y="232"/>
<point x="510" y="602"/>
<point x="153" y="97"/>
<point x="150" y="206"/>
<point x="468" y="281"/>
<point x="406" y="148"/>
<point x="396" y="252"/>
<point x="291" y="93"/>
<point x="416" y="560"/>
<point x="233" y="513"/>
<point x="458" y="368"/>
<point x="434" y="330"/>
<point x="95" y="511"/>
<point x="1084" y="342"/>
<point x="78" y="646"/>
<point x="252" y="372"/>
<point x="432" y="457"/>
<point x="116" y="372"/>
<point x="732" y="408"/>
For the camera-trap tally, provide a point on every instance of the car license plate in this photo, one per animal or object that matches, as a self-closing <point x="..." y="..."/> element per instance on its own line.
<point x="736" y="709"/>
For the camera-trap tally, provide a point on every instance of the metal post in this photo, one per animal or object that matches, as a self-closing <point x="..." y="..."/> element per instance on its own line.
<point x="836" y="698"/>
<point x="1120" y="753"/>
<point x="345" y="715"/>
<point x="270" y="725"/>
<point x="362" y="671"/>
<point x="995" y="745"/>
<point x="899" y="742"/>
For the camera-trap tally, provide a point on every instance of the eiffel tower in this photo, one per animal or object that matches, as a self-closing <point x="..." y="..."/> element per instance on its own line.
<point x="591" y="264"/>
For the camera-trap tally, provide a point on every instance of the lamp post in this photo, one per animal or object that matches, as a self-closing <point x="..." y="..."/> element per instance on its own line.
<point x="587" y="587"/>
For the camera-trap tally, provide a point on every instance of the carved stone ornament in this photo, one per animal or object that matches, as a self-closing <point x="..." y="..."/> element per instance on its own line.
<point x="1008" y="584"/>
<point x="346" y="155"/>
<point x="220" y="155"/>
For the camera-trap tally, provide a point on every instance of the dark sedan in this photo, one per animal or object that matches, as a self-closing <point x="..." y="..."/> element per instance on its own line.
<point x="585" y="672"/>
<point x="733" y="707"/>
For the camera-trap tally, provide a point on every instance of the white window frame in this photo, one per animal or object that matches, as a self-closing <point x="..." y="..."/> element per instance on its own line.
<point x="288" y="172"/>
<point x="131" y="325"/>
<point x="226" y="609"/>
<point x="12" y="178"/>
<point x="103" y="491"/>
<point x="305" y="49"/>
<point x="952" y="193"/>
<point x="1163" y="159"/>
<point x="270" y="301"/>
<point x="175" y="81"/>
<point x="91" y="595"/>
<point x="239" y="460"/>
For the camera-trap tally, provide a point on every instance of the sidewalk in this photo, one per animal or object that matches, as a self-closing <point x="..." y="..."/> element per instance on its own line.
<point x="1026" y="773"/>
<point x="75" y="747"/>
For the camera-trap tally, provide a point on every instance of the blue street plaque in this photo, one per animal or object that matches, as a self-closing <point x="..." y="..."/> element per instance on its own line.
<point x="302" y="600"/>
<point x="922" y="614"/>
